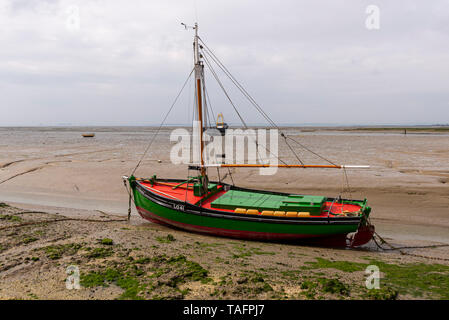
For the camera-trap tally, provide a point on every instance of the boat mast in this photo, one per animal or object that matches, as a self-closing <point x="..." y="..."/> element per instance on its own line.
<point x="199" y="67"/>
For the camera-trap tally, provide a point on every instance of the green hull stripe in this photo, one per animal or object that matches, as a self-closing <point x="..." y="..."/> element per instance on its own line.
<point x="256" y="226"/>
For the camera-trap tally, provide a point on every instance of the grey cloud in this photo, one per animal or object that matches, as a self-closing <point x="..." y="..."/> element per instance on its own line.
<point x="303" y="61"/>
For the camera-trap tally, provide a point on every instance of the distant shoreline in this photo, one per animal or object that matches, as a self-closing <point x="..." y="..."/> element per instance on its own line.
<point x="302" y="128"/>
<point x="285" y="125"/>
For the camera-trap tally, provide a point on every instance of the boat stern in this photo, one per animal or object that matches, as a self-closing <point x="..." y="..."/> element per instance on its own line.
<point x="365" y="231"/>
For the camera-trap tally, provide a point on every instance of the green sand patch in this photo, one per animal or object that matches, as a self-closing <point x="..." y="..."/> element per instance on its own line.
<point x="243" y="252"/>
<point x="11" y="218"/>
<point x="167" y="239"/>
<point x="190" y="270"/>
<point x="27" y="240"/>
<point x="249" y="284"/>
<point x="99" y="252"/>
<point x="416" y="279"/>
<point x="156" y="278"/>
<point x="313" y="286"/>
<point x="384" y="293"/>
<point x="106" y="241"/>
<point x="55" y="252"/>
<point x="128" y="283"/>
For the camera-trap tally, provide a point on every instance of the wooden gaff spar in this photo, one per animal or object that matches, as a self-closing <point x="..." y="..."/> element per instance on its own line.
<point x="287" y="166"/>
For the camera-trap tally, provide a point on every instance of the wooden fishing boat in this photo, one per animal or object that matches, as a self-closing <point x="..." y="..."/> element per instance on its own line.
<point x="222" y="209"/>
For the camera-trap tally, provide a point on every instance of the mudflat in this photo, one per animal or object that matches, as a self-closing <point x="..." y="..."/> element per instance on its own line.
<point x="56" y="174"/>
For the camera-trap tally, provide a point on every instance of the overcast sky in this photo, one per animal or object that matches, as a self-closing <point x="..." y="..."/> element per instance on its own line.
<point x="117" y="62"/>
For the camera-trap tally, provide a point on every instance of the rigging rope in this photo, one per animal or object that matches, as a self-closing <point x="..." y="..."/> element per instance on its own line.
<point x="291" y="149"/>
<point x="235" y="108"/>
<point x="209" y="101"/>
<point x="347" y="183"/>
<point x="230" y="176"/>
<point x="224" y="90"/>
<point x="206" y="105"/>
<point x="237" y="84"/>
<point x="308" y="149"/>
<point x="162" y="123"/>
<point x="208" y="52"/>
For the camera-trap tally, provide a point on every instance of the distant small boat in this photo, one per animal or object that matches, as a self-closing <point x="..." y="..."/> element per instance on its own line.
<point x="221" y="125"/>
<point x="88" y="135"/>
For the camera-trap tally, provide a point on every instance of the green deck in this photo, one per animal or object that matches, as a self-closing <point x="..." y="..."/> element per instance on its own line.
<point x="262" y="201"/>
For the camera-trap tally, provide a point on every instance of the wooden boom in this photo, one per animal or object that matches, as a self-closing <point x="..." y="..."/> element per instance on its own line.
<point x="287" y="166"/>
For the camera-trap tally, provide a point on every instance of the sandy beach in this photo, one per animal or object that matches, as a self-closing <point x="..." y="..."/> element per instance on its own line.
<point x="58" y="173"/>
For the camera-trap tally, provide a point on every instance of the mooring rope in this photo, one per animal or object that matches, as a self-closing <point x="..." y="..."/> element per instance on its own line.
<point x="130" y="194"/>
<point x="58" y="220"/>
<point x="400" y="249"/>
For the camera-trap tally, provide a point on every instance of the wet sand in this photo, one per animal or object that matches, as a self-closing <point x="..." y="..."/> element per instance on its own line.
<point x="56" y="170"/>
